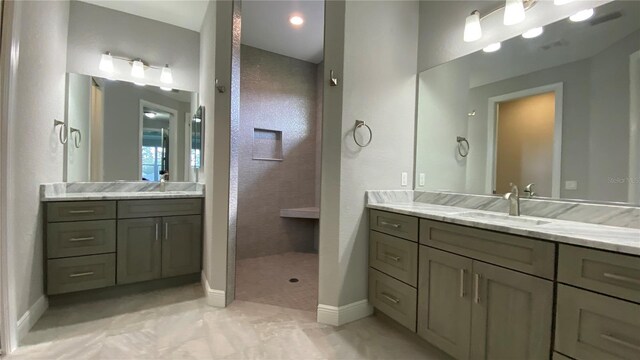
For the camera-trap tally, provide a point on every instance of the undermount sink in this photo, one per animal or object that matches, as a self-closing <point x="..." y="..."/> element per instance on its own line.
<point x="505" y="218"/>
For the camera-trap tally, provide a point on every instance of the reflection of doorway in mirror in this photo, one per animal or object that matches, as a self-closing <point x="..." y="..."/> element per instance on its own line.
<point x="526" y="157"/>
<point x="634" y="127"/>
<point x="158" y="139"/>
<point x="524" y="150"/>
<point x="97" y="131"/>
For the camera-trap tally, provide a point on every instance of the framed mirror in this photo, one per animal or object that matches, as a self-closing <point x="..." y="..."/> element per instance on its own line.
<point x="557" y="107"/>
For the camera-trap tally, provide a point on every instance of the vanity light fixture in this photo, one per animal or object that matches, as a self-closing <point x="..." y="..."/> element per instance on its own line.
<point x="166" y="88"/>
<point x="561" y="2"/>
<point x="582" y="15"/>
<point x="106" y="63"/>
<point x="535" y="32"/>
<point x="166" y="76"/>
<point x="137" y="69"/>
<point x="492" y="47"/>
<point x="513" y="12"/>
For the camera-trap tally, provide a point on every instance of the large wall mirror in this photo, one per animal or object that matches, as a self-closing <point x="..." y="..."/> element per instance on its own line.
<point x="558" y="107"/>
<point x="119" y="130"/>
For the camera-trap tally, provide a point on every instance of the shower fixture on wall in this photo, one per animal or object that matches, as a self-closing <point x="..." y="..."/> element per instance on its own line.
<point x="138" y="67"/>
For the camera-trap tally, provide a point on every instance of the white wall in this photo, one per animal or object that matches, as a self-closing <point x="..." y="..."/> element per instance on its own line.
<point x="442" y="26"/>
<point x="378" y="86"/>
<point x="79" y="117"/>
<point x="94" y="30"/>
<point x="36" y="96"/>
<point x="122" y="129"/>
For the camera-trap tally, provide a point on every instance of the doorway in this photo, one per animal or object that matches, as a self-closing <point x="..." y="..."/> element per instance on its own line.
<point x="525" y="140"/>
<point x="281" y="65"/>
<point x="158" y="140"/>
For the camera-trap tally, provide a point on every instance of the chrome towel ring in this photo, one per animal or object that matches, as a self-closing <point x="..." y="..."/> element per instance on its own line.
<point x="76" y="139"/>
<point x="359" y="124"/>
<point x="62" y="133"/>
<point x="461" y="148"/>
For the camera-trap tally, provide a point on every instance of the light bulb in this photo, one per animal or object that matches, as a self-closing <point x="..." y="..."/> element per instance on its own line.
<point x="581" y="15"/>
<point x="166" y="76"/>
<point x="513" y="12"/>
<point x="561" y="2"/>
<point x="492" y="47"/>
<point x="137" y="69"/>
<point x="472" y="28"/>
<point x="165" y="88"/>
<point x="296" y="20"/>
<point x="535" y="32"/>
<point x="106" y="63"/>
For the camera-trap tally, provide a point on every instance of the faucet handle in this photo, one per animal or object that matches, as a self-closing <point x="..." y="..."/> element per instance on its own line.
<point x="529" y="189"/>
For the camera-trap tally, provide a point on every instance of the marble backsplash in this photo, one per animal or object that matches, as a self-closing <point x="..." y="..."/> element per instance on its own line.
<point x="603" y="214"/>
<point x="56" y="189"/>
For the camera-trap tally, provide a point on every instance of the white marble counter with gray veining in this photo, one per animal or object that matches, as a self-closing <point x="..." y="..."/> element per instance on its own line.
<point x="605" y="237"/>
<point x="119" y="191"/>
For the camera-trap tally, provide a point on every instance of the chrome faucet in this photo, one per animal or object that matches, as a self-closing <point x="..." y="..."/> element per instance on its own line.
<point x="163" y="181"/>
<point x="529" y="189"/>
<point x="514" y="200"/>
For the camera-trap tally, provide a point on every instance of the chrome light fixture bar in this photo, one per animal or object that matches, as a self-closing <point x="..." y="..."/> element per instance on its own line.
<point x="138" y="67"/>
<point x="514" y="13"/>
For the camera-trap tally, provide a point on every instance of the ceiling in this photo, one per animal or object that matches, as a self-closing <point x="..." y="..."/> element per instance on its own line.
<point x="265" y="23"/>
<point x="186" y="14"/>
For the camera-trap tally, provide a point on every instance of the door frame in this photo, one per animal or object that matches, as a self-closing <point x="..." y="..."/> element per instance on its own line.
<point x="492" y="121"/>
<point x="634" y="129"/>
<point x="173" y="136"/>
<point x="187" y="146"/>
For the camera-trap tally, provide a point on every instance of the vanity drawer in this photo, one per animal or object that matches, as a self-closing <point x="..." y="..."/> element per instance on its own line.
<point x="531" y="256"/>
<point x="394" y="298"/>
<point x="398" y="225"/>
<point x="394" y="256"/>
<point x="593" y="326"/>
<point x="80" y="273"/>
<point x="613" y="274"/>
<point x="80" y="210"/>
<point x="81" y="238"/>
<point x="154" y="208"/>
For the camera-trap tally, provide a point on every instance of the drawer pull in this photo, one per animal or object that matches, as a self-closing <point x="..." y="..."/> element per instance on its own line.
<point x="462" y="274"/>
<point x="476" y="287"/>
<point x="157" y="231"/>
<point x="391" y="298"/>
<point x="81" y="211"/>
<point x="88" y="273"/>
<point x="621" y="278"/>
<point x="166" y="231"/>
<point x="393" y="225"/>
<point x="88" y="238"/>
<point x="614" y="339"/>
<point x="394" y="258"/>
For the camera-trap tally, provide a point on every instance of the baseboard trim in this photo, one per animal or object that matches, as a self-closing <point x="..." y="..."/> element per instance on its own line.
<point x="31" y="316"/>
<point x="336" y="316"/>
<point x="214" y="297"/>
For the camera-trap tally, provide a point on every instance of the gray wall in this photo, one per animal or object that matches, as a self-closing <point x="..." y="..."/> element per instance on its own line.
<point x="122" y="129"/>
<point x="79" y="117"/>
<point x="276" y="93"/>
<point x="442" y="26"/>
<point x="378" y="86"/>
<point x="34" y="155"/>
<point x="94" y="30"/>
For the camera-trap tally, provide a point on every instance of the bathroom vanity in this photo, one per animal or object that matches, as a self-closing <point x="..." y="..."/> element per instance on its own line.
<point x="480" y="284"/>
<point x="105" y="238"/>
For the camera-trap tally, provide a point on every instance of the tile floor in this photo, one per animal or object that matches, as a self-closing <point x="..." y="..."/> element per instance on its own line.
<point x="266" y="280"/>
<point x="176" y="323"/>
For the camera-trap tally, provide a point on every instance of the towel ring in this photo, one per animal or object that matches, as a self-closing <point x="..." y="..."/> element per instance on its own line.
<point x="461" y="150"/>
<point x="359" y="124"/>
<point x="62" y="133"/>
<point x="76" y="139"/>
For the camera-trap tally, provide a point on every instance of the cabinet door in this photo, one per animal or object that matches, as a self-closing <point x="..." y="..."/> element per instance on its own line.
<point x="511" y="314"/>
<point x="181" y="245"/>
<point x="138" y="251"/>
<point x="444" y="301"/>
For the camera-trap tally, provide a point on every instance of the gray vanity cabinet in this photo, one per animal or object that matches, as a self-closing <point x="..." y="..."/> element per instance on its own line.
<point x="181" y="245"/>
<point x="511" y="314"/>
<point x="139" y="250"/>
<point x="444" y="301"/>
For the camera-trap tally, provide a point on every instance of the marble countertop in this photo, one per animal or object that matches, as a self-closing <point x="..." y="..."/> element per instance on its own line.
<point x="119" y="191"/>
<point x="124" y="195"/>
<point x="612" y="238"/>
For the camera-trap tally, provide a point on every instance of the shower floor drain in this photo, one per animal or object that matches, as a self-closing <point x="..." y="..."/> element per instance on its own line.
<point x="293" y="280"/>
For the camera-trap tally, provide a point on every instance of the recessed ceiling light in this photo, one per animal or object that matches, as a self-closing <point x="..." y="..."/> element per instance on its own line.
<point x="150" y="114"/>
<point x="581" y="15"/>
<point x="296" y="20"/>
<point x="535" y="32"/>
<point x="492" y="47"/>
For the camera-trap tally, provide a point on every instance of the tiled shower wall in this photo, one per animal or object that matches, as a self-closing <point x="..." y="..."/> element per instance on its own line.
<point x="277" y="93"/>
